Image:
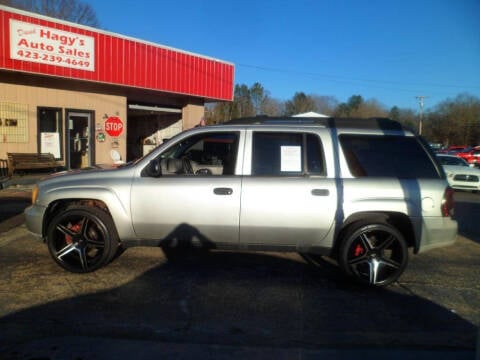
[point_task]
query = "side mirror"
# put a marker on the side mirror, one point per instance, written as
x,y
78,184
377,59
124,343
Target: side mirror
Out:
x,y
154,168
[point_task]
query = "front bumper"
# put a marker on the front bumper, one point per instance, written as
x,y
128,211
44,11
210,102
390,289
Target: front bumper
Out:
x,y
34,215
467,186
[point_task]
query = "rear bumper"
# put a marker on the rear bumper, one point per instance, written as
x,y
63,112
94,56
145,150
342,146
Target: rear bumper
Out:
x,y
437,232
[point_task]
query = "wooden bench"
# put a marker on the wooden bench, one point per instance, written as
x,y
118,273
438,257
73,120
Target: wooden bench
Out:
x,y
30,161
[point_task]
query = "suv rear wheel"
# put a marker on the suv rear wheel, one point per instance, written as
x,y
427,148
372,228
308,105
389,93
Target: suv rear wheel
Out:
x,y
376,254
82,239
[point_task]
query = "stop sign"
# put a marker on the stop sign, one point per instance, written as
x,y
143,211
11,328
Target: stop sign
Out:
x,y
113,126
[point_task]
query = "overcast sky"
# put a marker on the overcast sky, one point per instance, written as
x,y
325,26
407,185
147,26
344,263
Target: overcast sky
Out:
x,y
390,50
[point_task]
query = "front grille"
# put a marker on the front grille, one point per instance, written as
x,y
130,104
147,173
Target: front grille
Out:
x,y
469,178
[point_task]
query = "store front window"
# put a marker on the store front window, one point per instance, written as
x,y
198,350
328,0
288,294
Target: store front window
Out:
x,y
50,137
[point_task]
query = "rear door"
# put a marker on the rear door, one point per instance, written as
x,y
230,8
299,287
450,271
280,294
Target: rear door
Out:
x,y
287,197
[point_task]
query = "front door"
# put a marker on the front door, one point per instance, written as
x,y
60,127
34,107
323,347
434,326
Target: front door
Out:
x,y
79,150
197,195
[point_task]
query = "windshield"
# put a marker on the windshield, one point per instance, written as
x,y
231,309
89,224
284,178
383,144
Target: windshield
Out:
x,y
452,160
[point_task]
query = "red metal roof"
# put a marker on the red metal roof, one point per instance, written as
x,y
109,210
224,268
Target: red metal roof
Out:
x,y
37,44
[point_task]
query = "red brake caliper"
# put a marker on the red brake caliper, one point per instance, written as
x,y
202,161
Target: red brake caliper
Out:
x,y
359,250
75,228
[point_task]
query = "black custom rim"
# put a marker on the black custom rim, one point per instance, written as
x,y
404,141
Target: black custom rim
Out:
x,y
79,242
376,256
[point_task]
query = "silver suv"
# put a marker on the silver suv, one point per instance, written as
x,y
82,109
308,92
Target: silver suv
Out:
x,y
361,191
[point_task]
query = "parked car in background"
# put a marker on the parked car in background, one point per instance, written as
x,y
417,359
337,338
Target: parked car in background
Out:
x,y
437,147
460,174
471,155
453,149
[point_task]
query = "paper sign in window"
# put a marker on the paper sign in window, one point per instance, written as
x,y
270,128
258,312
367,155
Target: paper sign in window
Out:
x,y
50,143
291,158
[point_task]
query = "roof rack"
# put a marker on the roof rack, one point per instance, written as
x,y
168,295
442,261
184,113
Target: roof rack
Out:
x,y
331,122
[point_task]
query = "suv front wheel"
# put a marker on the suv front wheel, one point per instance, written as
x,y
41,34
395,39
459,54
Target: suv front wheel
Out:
x,y
376,253
82,239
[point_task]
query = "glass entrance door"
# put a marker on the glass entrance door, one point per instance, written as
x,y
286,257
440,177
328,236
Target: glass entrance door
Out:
x,y
79,139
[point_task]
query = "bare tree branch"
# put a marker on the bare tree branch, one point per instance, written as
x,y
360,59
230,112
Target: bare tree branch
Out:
x,y
76,11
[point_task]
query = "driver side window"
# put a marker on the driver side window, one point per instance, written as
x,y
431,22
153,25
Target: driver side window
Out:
x,y
211,153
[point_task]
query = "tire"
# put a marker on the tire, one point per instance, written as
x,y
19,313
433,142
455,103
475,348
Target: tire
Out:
x,y
82,239
374,254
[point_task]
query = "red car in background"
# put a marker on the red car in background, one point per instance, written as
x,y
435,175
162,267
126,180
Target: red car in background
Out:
x,y
471,155
453,149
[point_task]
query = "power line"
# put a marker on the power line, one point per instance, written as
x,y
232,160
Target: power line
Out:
x,y
345,79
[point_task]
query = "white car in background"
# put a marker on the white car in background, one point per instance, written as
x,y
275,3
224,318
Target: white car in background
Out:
x,y
460,174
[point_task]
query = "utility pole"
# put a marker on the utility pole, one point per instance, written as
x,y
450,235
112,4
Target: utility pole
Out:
x,y
420,102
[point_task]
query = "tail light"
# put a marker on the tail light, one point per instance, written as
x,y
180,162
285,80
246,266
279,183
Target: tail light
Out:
x,y
448,203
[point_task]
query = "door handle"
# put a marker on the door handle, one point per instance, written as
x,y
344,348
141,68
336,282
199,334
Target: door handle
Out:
x,y
320,192
223,191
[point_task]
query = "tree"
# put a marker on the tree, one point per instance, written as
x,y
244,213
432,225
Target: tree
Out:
x,y
300,103
247,101
408,118
455,121
242,102
356,106
342,110
218,112
370,108
257,97
354,102
273,107
325,104
347,109
394,113
76,11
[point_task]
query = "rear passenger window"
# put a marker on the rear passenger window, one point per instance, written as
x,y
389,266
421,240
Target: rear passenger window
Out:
x,y
400,157
287,154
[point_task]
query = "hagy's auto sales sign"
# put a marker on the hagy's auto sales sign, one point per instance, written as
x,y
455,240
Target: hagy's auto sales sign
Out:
x,y
45,45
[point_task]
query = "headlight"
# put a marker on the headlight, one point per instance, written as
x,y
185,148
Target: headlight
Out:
x,y
450,174
34,194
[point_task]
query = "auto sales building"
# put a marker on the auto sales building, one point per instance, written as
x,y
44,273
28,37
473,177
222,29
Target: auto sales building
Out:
x,y
93,97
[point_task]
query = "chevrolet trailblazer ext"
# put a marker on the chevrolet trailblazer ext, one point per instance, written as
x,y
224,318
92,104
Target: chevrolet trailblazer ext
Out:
x,y
361,191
